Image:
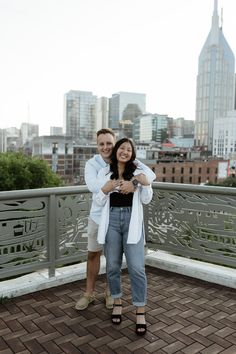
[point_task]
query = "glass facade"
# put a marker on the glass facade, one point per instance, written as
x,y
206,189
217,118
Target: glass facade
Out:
x,y
80,115
215,83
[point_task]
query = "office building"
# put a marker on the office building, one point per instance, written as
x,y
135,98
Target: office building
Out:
x,y
215,83
58,152
125,106
224,142
56,131
150,128
28,132
80,115
102,113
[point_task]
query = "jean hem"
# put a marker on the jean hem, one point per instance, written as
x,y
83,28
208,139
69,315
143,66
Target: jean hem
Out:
x,y
139,304
117,296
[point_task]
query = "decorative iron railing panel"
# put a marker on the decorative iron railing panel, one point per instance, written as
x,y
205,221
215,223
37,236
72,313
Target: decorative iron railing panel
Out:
x,y
72,220
42,228
193,222
47,228
23,231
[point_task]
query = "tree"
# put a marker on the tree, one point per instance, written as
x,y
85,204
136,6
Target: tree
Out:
x,y
229,182
18,171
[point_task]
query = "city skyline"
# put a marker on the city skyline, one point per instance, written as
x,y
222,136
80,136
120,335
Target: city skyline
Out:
x,y
152,47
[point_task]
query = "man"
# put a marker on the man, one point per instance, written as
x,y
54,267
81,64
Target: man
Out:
x,y
105,144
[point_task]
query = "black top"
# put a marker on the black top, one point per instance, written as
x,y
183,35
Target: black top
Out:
x,y
121,200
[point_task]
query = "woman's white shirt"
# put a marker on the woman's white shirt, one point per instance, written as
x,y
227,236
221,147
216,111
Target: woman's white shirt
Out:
x,y
142,195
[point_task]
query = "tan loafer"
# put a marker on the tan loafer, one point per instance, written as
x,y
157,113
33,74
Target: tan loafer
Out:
x,y
109,301
84,301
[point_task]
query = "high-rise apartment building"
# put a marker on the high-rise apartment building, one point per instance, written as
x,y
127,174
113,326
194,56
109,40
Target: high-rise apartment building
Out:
x,y
80,115
215,83
123,105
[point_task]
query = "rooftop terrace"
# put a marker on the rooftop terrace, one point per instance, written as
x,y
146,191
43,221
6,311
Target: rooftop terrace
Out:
x,y
184,316
42,232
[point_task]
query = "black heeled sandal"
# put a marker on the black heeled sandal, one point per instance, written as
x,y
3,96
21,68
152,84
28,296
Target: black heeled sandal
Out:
x,y
140,326
116,317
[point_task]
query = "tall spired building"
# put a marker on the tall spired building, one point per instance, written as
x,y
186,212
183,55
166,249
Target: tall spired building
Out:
x,y
215,83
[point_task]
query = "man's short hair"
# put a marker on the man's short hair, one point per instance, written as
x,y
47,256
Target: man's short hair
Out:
x,y
105,131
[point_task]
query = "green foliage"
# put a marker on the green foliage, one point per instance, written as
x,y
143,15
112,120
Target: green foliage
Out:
x,y
18,171
228,182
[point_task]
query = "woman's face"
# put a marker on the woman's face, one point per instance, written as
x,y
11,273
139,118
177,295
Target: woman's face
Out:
x,y
124,152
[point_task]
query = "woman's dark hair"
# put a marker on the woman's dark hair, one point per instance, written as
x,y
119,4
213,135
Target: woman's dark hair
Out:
x,y
130,166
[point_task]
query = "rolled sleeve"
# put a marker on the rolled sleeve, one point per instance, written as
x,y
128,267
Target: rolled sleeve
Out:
x,y
146,194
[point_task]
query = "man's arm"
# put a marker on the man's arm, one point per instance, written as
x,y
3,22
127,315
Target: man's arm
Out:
x,y
92,181
145,177
151,176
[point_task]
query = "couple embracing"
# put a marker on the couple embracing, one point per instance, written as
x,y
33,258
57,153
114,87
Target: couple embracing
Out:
x,y
120,185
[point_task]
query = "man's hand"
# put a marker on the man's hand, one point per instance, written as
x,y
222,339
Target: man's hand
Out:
x,y
142,179
110,186
126,187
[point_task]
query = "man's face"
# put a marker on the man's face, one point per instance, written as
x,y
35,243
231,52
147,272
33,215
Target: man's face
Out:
x,y
105,144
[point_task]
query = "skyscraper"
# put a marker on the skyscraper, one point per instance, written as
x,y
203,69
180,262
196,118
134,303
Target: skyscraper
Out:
x,y
215,83
80,115
122,102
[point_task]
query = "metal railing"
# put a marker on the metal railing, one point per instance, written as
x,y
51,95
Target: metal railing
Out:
x,y
46,228
193,221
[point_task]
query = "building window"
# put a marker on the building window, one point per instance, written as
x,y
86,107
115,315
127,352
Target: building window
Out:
x,y
182,170
163,179
190,170
164,170
182,179
199,170
190,179
173,179
208,170
173,170
199,179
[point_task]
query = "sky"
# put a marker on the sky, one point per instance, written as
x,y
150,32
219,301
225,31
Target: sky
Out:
x,y
49,47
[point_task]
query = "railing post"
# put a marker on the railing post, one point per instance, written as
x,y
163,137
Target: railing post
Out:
x,y
52,234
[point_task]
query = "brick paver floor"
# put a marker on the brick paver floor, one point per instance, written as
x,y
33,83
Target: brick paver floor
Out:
x,y
184,316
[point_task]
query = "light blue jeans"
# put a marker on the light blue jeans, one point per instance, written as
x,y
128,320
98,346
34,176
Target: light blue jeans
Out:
x,y
115,246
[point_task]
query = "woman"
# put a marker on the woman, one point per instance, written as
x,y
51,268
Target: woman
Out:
x,y
121,228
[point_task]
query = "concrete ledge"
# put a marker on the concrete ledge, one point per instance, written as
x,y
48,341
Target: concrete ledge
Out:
x,y
196,269
158,259
39,280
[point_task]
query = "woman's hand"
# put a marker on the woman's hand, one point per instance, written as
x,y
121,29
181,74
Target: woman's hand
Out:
x,y
126,187
110,186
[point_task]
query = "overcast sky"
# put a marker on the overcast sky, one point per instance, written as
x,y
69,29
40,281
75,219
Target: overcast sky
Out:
x,y
48,47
